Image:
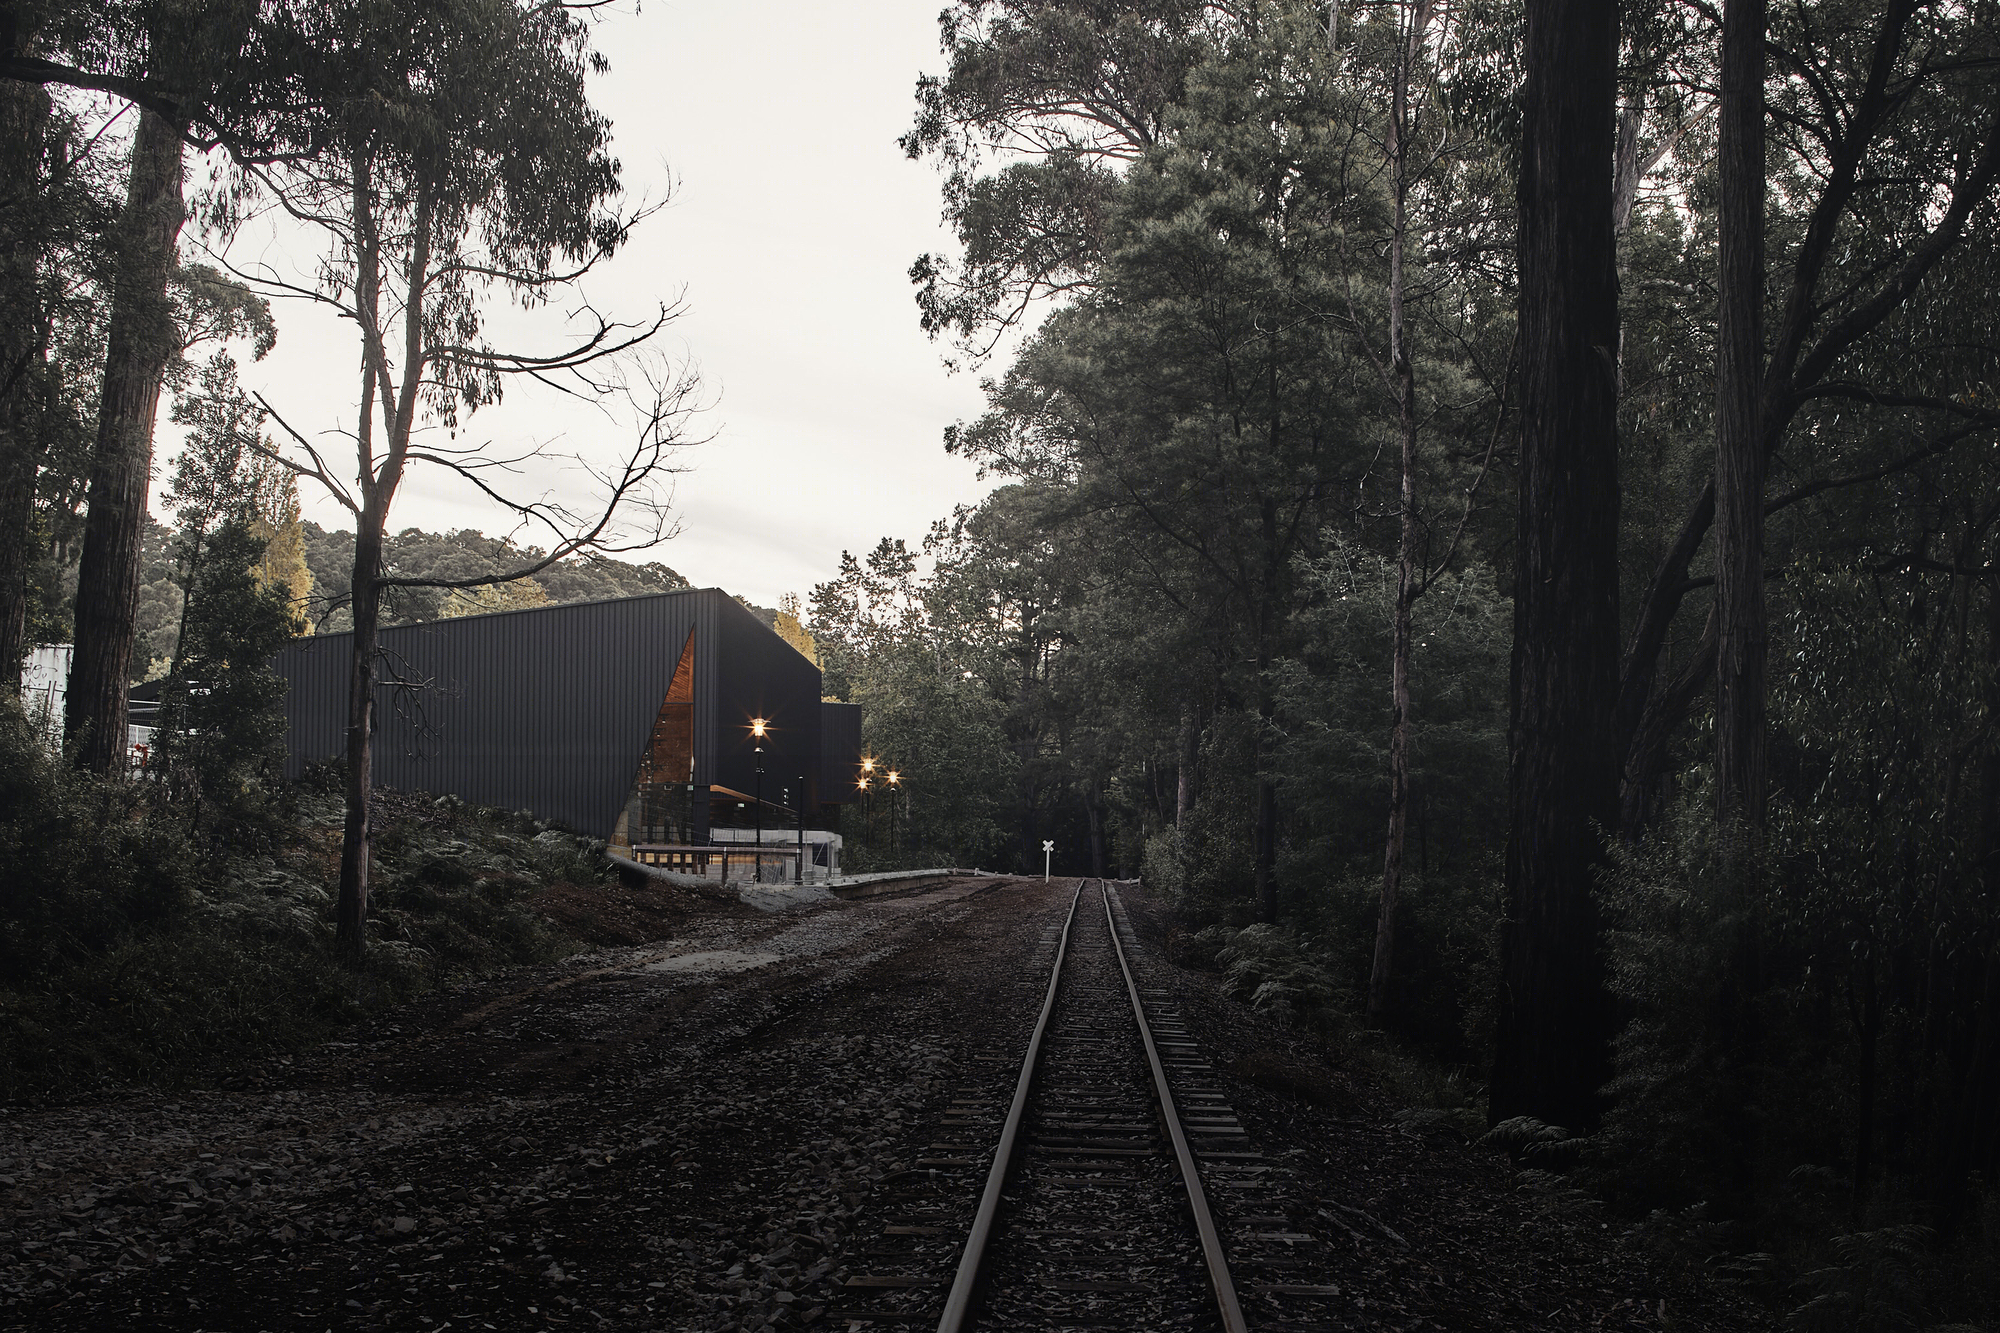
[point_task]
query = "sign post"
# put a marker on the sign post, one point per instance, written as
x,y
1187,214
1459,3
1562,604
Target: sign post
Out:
x,y
1047,847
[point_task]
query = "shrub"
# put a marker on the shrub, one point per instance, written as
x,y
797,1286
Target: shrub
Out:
x,y
133,951
82,863
1275,972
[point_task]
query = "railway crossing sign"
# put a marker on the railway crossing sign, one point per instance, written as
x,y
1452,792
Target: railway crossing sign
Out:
x,y
1047,847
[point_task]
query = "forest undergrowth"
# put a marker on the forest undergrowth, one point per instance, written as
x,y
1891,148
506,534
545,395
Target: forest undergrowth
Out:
x,y
1800,1242
142,946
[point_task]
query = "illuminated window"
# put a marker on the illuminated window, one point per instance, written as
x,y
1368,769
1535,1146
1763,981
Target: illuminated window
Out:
x,y
660,809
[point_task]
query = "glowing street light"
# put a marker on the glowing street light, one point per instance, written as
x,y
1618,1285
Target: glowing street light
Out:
x,y
892,779
757,725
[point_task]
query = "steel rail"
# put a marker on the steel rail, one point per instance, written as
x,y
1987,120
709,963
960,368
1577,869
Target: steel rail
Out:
x,y
1219,1280
958,1305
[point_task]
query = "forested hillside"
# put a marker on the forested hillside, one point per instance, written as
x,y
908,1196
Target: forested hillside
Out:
x,y
413,553
1302,465
329,556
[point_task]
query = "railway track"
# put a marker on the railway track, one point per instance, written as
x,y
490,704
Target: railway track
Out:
x,y
1105,1184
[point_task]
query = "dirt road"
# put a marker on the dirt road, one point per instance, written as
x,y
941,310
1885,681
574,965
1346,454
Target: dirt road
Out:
x,y
696,1132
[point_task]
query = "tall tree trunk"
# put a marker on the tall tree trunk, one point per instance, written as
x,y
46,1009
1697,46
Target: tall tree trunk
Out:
x,y
1739,578
351,907
1646,746
135,359
1095,815
379,481
1968,1153
1399,772
364,588
1186,754
1625,171
1031,810
24,118
1739,444
1263,874
1868,1030
1555,1018
1404,382
1974,1151
1626,168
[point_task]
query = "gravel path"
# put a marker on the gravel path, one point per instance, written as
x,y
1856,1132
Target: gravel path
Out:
x,y
705,1133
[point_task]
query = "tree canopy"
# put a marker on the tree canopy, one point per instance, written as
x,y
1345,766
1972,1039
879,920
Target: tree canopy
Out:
x,y
1291,349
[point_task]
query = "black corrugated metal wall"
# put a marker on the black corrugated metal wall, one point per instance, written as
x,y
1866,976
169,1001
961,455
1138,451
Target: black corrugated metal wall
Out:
x,y
781,687
548,709
839,750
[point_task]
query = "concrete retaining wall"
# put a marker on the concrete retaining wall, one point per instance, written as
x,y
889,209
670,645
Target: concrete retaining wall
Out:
x,y
850,887
895,881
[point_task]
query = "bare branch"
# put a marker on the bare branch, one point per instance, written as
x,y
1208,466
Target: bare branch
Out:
x,y
1984,416
318,471
669,403
1939,446
598,346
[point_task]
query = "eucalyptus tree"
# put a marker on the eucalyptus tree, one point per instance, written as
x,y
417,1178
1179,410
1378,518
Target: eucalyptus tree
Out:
x,y
1205,392
1878,145
56,210
1011,590
467,159
1881,141
224,75
920,653
24,123
1042,108
1555,1025
135,363
1406,61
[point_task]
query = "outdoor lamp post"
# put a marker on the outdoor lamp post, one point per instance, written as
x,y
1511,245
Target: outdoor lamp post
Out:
x,y
757,732
867,801
893,779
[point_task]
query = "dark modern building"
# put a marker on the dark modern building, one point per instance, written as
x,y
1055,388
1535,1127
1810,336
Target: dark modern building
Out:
x,y
629,720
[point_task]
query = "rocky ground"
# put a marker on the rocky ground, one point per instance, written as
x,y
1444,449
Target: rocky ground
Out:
x,y
695,1125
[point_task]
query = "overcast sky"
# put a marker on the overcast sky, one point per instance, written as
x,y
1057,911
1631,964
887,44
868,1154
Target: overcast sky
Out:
x,y
791,220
